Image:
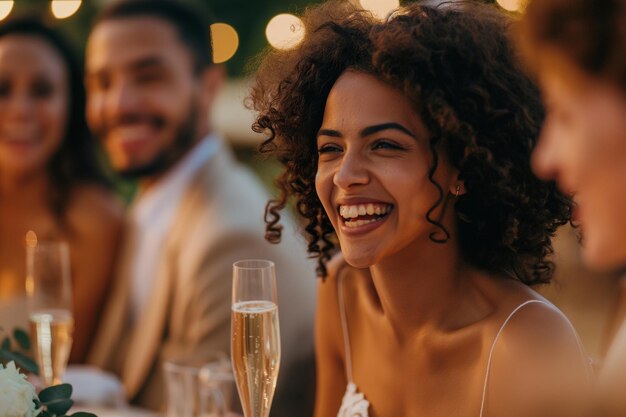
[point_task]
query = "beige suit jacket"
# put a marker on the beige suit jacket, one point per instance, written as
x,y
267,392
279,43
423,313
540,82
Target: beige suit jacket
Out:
x,y
219,221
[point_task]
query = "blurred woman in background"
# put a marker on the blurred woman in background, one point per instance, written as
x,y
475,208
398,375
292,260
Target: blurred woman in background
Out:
x,y
50,178
577,50
408,142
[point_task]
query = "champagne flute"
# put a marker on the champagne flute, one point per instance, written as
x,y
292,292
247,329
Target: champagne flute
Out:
x,y
49,291
255,342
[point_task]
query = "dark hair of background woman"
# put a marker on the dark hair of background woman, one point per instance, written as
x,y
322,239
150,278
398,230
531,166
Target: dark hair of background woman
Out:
x,y
591,34
76,161
456,65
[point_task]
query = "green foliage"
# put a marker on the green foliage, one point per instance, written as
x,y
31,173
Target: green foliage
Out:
x,y
18,351
55,393
56,402
22,339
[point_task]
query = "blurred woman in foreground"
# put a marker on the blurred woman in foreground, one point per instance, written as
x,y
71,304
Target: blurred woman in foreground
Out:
x,y
577,50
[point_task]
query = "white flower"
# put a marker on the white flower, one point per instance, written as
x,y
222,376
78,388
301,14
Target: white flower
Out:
x,y
354,403
16,393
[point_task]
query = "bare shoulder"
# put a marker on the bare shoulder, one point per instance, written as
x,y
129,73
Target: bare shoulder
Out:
x,y
329,347
539,365
533,320
93,207
327,288
328,312
530,329
344,285
522,313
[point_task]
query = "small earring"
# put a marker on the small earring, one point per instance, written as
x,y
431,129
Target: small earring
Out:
x,y
458,190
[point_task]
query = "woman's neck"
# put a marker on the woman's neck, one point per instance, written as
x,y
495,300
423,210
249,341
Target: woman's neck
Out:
x,y
427,285
24,189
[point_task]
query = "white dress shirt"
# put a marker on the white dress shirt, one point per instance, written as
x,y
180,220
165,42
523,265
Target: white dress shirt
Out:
x,y
151,216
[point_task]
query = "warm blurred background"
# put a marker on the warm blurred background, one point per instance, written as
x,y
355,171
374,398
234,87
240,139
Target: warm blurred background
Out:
x,y
594,303
244,29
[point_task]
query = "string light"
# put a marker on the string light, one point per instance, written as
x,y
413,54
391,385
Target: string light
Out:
x,y
511,5
285,31
5,8
380,8
225,42
62,9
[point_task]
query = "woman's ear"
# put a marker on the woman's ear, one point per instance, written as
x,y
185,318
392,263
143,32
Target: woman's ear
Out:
x,y
458,189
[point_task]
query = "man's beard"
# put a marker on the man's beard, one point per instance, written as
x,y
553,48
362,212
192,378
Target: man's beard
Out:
x,y
185,137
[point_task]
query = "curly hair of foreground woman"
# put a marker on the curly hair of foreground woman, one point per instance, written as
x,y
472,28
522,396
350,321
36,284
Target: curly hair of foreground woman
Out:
x,y
483,115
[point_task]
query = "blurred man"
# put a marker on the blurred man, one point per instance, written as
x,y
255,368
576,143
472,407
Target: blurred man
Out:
x,y
151,86
577,48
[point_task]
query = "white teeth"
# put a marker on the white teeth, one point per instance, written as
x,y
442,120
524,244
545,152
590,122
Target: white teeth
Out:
x,y
353,211
359,223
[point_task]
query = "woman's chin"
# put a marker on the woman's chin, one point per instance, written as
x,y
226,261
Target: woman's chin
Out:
x,y
358,261
605,257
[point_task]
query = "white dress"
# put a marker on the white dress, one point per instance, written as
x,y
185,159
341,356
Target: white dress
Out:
x,y
354,403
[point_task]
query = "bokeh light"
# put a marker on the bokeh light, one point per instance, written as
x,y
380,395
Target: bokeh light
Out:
x,y
511,5
62,9
380,8
285,31
225,42
5,8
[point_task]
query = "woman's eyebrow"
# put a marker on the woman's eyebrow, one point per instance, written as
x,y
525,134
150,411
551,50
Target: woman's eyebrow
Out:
x,y
370,130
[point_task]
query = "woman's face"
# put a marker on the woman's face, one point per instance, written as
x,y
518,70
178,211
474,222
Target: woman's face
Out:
x,y
583,147
372,175
33,104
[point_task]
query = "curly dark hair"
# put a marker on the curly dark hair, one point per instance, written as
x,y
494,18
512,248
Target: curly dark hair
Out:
x,y
77,160
455,63
589,33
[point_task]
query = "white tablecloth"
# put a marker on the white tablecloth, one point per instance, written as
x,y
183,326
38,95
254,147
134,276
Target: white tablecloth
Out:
x,y
110,412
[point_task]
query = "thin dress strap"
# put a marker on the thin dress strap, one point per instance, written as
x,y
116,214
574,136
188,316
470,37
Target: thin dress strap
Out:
x,y
495,341
344,327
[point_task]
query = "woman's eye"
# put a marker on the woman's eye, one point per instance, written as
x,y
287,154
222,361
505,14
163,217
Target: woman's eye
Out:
x,y
42,89
328,149
386,144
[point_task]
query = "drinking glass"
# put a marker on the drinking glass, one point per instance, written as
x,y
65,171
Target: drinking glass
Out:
x,y
199,387
49,292
255,336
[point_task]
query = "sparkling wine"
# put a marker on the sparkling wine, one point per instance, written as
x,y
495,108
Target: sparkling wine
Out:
x,y
51,331
255,351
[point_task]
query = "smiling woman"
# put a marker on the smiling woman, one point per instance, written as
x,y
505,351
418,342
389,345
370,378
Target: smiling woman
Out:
x,y
408,142
50,180
373,151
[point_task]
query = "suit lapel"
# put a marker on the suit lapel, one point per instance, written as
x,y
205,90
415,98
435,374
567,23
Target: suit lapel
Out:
x,y
114,323
147,334
146,339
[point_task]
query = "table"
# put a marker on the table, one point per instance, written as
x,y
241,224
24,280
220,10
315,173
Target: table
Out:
x,y
115,412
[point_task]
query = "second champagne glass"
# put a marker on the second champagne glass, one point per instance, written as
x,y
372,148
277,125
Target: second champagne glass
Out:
x,y
49,291
255,343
